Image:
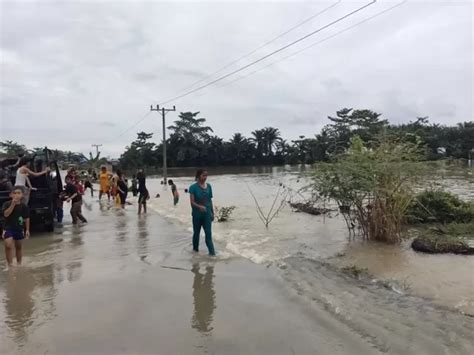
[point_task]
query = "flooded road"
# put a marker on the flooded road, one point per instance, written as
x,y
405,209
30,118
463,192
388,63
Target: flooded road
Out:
x,y
124,284
445,279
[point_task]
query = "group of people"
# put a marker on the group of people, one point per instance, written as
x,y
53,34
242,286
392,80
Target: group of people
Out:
x,y
116,186
16,226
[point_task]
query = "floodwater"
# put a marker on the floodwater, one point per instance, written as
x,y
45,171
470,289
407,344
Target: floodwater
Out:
x,y
445,279
124,284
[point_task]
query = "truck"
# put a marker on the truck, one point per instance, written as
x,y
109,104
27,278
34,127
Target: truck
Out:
x,y
44,198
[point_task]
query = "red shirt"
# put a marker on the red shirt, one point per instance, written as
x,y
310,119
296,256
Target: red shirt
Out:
x,y
80,188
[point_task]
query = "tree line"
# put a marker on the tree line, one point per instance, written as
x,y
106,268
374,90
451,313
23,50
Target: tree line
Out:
x,y
193,143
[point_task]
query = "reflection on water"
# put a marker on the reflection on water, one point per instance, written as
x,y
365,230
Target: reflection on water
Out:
x,y
317,237
29,295
204,299
142,239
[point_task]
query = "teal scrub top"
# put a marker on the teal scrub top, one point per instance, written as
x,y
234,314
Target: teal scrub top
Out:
x,y
201,197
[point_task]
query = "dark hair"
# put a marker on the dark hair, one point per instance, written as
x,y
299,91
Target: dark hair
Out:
x,y
199,172
23,161
170,182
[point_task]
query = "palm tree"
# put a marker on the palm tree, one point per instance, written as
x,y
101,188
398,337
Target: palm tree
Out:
x,y
259,140
271,137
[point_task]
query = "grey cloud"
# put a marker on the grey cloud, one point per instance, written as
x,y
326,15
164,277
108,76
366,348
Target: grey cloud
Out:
x,y
105,62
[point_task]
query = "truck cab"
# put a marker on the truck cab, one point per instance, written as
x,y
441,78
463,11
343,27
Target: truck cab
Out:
x,y
43,200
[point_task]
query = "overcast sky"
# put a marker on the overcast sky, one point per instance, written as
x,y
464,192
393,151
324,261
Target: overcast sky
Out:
x,y
77,73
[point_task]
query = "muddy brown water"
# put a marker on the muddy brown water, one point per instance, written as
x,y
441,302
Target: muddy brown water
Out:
x,y
445,279
125,284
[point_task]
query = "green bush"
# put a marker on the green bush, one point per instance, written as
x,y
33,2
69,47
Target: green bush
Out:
x,y
440,206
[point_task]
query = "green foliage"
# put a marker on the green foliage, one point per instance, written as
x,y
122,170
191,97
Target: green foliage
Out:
x,y
461,230
223,213
191,142
140,153
457,140
373,185
440,206
11,149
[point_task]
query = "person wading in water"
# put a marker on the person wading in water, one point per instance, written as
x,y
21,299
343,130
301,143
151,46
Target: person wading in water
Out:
x,y
144,194
174,192
104,183
203,210
122,188
16,225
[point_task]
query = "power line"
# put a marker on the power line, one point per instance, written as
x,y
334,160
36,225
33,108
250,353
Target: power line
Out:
x,y
270,54
316,43
256,61
237,60
260,47
129,128
164,111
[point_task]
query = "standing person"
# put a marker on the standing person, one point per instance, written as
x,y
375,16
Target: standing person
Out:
x,y
203,210
71,172
113,185
75,198
22,179
16,226
88,185
79,186
134,185
144,195
174,192
122,188
104,183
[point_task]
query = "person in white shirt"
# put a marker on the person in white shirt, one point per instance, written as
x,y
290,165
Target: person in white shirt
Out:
x,y
22,174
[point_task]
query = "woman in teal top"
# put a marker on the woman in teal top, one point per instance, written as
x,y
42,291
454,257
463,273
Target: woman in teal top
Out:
x,y
203,210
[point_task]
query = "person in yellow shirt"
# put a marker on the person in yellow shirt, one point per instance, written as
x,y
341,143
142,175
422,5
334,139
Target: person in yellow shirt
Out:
x,y
104,183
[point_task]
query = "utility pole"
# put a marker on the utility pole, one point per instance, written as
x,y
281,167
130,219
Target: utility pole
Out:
x,y
96,148
163,114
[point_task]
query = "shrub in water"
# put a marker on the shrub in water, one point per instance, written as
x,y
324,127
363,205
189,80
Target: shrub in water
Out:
x,y
440,206
223,213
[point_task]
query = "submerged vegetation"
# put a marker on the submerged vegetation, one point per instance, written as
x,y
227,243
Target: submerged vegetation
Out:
x,y
223,213
373,187
438,206
451,222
